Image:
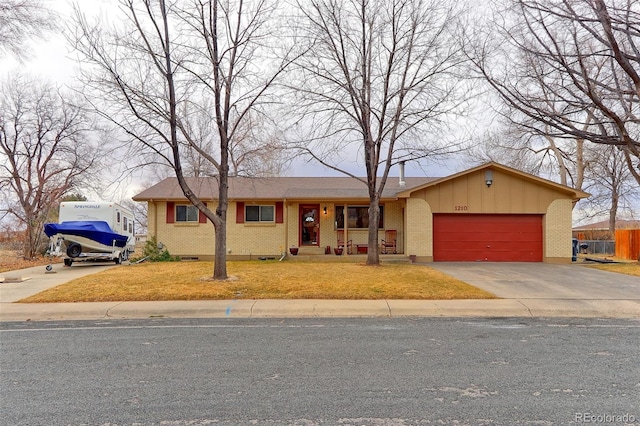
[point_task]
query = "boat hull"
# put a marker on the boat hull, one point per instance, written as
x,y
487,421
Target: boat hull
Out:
x,y
90,236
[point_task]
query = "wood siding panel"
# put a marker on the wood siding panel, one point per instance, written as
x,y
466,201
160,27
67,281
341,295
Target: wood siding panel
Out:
x,y
475,196
461,192
445,192
507,194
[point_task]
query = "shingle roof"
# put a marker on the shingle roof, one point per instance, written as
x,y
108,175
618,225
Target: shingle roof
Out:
x,y
276,188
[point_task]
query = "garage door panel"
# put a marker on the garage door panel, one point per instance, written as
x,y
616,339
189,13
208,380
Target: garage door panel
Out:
x,y
494,238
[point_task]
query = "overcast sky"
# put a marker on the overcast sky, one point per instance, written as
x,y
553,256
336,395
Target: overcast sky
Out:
x,y
53,60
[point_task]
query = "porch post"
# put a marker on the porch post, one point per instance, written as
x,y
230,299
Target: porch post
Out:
x,y
345,212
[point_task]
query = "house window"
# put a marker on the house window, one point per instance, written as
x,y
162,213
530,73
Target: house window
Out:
x,y
259,213
186,213
357,217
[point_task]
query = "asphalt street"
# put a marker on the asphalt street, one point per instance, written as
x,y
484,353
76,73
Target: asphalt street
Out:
x,y
375,371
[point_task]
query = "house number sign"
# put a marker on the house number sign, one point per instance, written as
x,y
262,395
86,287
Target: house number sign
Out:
x,y
460,208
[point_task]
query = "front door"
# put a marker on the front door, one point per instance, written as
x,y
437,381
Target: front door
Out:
x,y
310,225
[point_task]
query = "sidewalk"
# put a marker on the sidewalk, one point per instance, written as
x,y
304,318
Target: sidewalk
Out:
x,y
39,280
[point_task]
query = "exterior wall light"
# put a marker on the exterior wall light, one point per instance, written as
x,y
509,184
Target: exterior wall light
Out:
x,y
488,177
325,209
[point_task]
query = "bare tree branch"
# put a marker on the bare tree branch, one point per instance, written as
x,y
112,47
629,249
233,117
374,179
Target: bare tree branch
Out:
x,y
379,75
46,150
21,20
569,68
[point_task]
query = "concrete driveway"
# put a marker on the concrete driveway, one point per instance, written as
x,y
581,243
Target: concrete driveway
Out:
x,y
544,281
27,282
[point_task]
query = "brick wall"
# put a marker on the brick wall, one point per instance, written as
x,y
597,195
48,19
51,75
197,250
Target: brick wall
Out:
x,y
557,231
419,238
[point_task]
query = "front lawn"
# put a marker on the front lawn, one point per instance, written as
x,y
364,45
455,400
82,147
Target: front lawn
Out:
x,y
622,268
262,280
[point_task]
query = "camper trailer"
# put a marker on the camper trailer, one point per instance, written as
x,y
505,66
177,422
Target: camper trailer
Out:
x,y
89,231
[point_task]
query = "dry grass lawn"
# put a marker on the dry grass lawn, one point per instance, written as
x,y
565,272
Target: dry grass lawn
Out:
x,y
628,267
262,280
622,268
11,260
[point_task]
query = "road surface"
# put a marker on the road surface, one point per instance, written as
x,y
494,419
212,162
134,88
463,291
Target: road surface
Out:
x,y
320,372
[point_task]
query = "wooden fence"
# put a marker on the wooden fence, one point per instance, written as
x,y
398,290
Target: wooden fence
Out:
x,y
628,244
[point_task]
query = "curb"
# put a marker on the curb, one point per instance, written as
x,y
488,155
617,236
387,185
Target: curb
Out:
x,y
321,309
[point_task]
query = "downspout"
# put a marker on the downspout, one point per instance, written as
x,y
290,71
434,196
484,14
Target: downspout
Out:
x,y
155,222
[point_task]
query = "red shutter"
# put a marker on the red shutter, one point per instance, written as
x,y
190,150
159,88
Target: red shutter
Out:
x,y
201,217
239,212
279,212
171,212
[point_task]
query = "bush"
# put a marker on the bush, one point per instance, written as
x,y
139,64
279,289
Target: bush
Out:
x,y
154,253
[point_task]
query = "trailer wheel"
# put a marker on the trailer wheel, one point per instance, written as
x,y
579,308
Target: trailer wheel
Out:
x,y
68,262
118,260
74,250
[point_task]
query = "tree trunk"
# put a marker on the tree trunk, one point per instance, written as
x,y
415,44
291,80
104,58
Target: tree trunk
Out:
x,y
612,213
373,256
220,262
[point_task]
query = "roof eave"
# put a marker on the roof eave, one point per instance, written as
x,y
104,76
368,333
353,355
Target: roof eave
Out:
x,y
575,194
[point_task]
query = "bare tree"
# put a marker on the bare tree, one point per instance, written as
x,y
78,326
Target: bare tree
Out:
x,y
532,149
570,69
172,61
256,150
381,76
21,20
611,184
46,153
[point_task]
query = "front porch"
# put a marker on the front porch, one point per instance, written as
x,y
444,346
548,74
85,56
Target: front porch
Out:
x,y
305,256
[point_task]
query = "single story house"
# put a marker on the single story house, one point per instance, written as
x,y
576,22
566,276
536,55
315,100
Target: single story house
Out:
x,y
488,213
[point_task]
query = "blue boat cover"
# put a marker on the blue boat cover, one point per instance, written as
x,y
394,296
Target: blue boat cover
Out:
x,y
99,231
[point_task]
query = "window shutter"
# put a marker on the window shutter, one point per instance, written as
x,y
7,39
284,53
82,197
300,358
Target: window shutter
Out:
x,y
239,212
171,212
201,217
279,212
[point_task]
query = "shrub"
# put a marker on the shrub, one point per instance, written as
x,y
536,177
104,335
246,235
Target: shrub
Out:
x,y
155,253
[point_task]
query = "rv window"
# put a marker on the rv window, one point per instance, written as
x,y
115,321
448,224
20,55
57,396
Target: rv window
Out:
x,y
131,227
124,222
186,213
118,217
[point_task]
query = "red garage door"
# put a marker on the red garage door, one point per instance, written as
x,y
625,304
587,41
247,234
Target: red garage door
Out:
x,y
484,237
